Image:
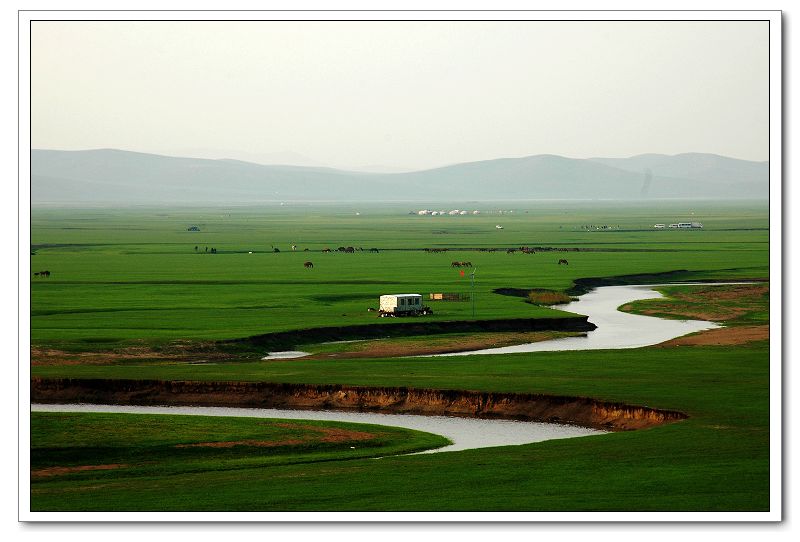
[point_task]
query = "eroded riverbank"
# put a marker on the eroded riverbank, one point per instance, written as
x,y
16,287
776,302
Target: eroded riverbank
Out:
x,y
580,411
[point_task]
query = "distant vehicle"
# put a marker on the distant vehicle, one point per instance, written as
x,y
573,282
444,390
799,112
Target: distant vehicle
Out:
x,y
659,226
686,225
393,305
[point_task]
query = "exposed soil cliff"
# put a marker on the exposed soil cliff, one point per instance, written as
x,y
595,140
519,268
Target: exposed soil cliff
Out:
x,y
533,407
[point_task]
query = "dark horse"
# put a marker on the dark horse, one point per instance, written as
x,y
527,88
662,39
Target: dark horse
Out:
x,y
562,260
308,265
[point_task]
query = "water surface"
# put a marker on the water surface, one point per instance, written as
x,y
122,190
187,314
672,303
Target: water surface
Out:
x,y
465,433
615,329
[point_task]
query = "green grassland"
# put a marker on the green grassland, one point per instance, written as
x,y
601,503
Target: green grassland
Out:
x,y
127,276
70,447
683,301
715,460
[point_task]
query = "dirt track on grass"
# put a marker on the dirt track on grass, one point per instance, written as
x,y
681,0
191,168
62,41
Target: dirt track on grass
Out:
x,y
59,471
726,336
389,348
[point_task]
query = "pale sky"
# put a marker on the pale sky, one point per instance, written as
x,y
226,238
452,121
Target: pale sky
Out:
x,y
408,95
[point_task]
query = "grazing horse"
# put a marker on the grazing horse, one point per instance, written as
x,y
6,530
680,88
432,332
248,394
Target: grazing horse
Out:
x,y
326,250
374,250
308,265
562,260
455,264
349,250
294,247
466,264
43,273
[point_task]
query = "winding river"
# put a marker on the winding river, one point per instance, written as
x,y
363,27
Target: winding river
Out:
x,y
615,329
465,433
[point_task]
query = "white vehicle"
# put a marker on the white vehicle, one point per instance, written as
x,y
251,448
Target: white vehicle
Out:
x,y
659,226
402,305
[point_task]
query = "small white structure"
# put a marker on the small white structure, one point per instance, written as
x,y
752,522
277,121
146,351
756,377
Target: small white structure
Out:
x,y
462,213
499,227
697,224
673,225
684,224
476,212
659,226
400,303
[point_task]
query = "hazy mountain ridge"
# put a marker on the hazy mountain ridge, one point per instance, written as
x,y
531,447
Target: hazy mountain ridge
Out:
x,y
706,167
120,177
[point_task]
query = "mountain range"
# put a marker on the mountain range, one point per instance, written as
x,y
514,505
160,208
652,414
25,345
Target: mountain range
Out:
x,y
118,177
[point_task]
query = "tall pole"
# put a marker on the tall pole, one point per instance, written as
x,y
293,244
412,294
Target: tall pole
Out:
x,y
472,280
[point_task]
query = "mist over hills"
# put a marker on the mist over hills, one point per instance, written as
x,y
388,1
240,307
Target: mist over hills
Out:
x,y
110,176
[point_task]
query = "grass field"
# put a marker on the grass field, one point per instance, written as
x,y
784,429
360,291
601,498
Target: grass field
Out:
x,y
715,460
70,448
123,279
127,275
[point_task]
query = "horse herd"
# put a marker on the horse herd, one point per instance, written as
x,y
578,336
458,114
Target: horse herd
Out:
x,y
349,250
310,265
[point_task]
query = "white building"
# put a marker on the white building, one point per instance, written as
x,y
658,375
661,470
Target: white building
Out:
x,y
397,303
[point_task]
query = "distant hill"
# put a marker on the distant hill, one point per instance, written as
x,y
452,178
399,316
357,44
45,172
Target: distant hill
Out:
x,y
123,177
711,168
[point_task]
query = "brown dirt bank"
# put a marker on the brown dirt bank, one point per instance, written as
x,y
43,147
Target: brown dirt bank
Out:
x,y
176,351
726,336
533,407
390,348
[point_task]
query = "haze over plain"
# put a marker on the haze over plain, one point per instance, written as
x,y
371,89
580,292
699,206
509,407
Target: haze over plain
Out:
x,y
401,96
120,177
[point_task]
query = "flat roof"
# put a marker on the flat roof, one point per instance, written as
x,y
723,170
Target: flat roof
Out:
x,y
402,295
